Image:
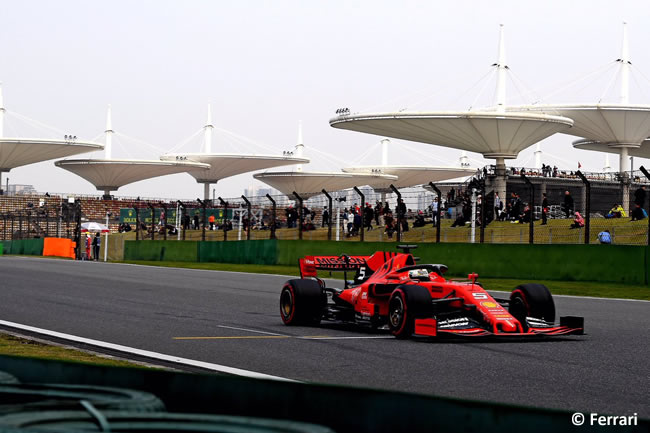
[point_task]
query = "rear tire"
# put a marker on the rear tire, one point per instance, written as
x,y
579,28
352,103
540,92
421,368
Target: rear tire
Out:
x,y
302,302
531,300
407,303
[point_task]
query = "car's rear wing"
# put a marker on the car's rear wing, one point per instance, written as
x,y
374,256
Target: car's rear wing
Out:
x,y
310,265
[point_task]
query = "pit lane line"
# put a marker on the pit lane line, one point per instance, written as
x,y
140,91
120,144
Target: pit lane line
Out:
x,y
145,353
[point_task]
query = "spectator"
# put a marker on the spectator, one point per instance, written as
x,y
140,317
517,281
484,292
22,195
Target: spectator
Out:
x,y
419,220
605,237
498,206
578,221
544,209
390,224
616,212
568,203
525,215
196,220
639,196
211,221
88,244
379,212
638,213
368,215
357,222
96,243
326,217
435,211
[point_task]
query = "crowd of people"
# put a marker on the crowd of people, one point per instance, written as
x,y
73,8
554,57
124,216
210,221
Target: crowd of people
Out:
x,y
355,217
456,205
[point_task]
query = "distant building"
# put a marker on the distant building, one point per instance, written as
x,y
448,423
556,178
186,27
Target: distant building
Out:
x,y
21,189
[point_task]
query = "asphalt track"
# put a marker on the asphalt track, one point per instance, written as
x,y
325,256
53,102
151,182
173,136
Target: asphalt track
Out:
x,y
233,319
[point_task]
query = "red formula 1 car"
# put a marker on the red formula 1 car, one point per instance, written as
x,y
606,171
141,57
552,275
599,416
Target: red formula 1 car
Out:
x,y
415,299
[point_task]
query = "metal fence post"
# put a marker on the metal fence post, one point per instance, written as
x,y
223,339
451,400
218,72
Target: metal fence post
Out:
x,y
137,223
531,206
153,221
435,188
647,175
77,230
163,220
587,204
248,226
225,217
299,215
272,216
362,211
183,210
203,206
397,213
329,219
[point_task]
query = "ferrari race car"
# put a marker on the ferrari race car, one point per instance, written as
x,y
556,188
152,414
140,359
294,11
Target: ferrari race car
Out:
x,y
390,289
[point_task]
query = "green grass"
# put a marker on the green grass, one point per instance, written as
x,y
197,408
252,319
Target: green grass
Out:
x,y
15,346
576,288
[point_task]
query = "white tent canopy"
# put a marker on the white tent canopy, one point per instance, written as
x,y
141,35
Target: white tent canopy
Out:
x,y
493,134
111,174
309,184
16,152
643,151
607,123
226,165
408,176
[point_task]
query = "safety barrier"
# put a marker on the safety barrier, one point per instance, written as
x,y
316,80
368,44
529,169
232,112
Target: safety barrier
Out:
x,y
261,252
374,410
625,264
173,251
30,247
1,248
59,247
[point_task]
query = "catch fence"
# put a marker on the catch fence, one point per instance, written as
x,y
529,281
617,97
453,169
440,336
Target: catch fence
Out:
x,y
446,212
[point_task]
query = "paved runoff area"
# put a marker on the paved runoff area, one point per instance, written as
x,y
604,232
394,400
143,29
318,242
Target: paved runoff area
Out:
x,y
230,322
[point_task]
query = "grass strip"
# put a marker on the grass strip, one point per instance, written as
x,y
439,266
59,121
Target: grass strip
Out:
x,y
17,346
574,288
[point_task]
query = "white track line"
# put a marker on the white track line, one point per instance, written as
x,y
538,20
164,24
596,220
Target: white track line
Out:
x,y
250,330
146,353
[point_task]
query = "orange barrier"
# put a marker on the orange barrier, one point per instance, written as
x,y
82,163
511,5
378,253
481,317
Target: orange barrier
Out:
x,y
58,247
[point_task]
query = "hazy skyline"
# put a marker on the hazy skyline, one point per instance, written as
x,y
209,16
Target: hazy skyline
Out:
x,y
266,65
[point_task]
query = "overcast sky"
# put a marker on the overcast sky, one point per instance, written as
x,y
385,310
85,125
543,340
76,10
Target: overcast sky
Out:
x,y
265,65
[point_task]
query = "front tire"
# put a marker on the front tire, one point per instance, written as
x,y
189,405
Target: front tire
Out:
x,y
407,303
302,302
531,300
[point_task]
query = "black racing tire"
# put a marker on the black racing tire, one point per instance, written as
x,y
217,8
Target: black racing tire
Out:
x,y
531,300
407,303
302,302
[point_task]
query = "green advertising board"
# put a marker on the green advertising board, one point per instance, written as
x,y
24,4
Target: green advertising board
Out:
x,y
127,215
